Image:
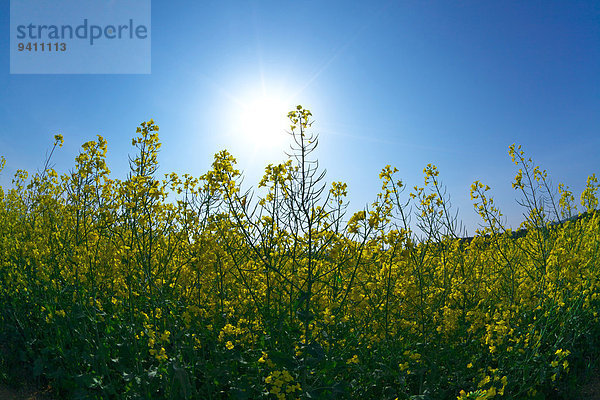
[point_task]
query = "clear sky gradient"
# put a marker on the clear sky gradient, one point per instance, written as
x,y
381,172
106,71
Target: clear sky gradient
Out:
x,y
404,83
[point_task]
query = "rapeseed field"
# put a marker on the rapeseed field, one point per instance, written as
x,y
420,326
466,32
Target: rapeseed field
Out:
x,y
182,287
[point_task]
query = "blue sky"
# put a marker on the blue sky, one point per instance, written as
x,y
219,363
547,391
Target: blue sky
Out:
x,y
404,83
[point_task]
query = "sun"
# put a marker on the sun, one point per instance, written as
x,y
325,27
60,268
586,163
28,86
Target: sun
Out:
x,y
263,122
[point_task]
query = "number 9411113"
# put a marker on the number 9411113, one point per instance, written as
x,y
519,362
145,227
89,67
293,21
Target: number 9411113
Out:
x,y
42,46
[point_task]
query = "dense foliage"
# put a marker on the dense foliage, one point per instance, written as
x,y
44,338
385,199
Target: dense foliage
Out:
x,y
188,287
